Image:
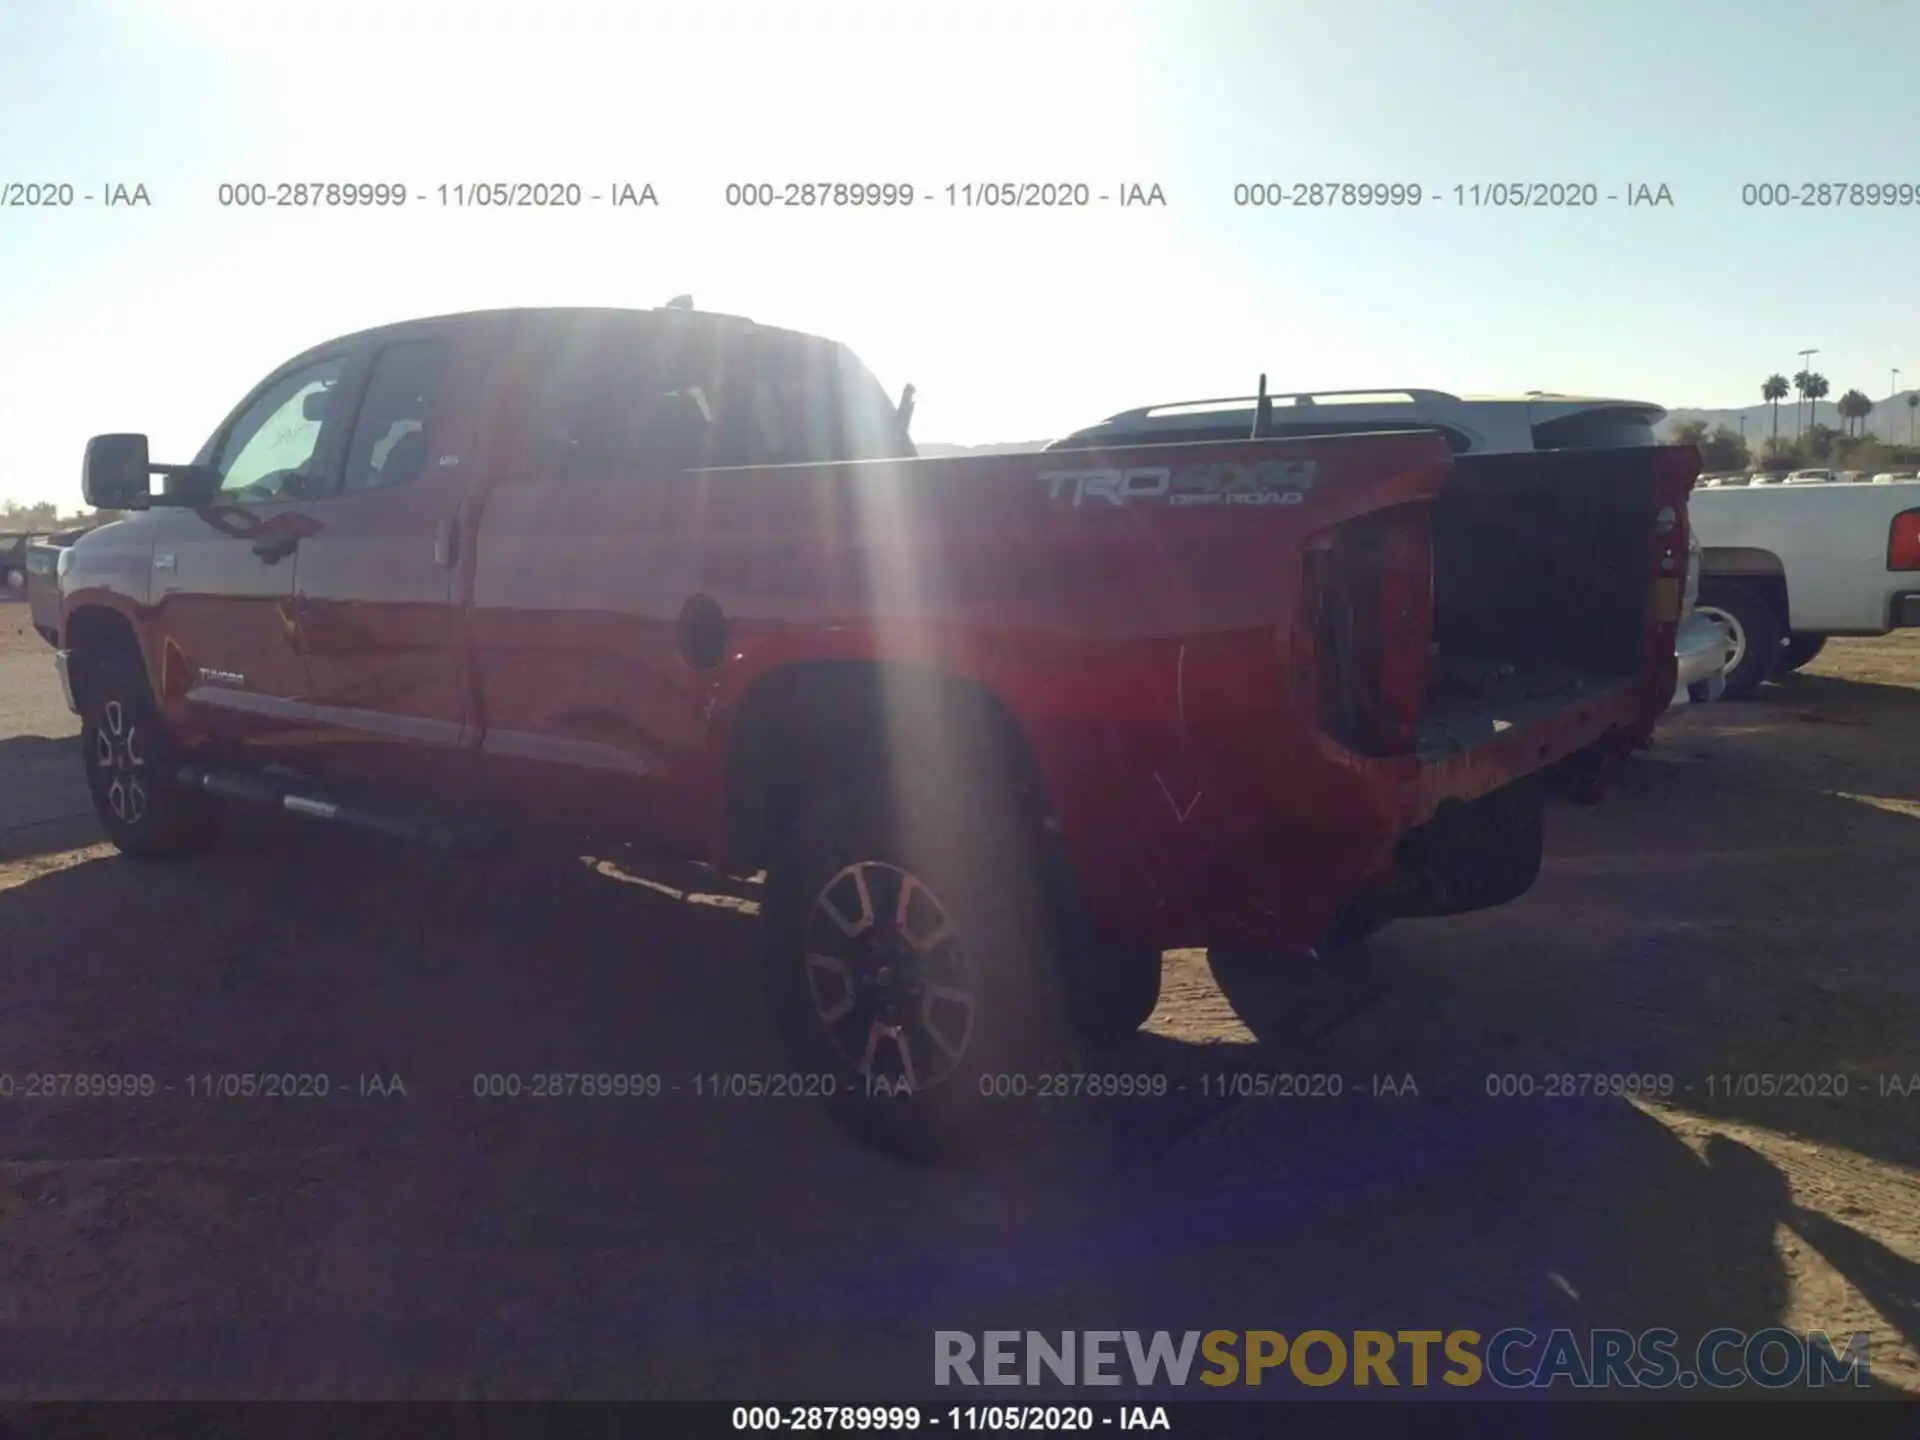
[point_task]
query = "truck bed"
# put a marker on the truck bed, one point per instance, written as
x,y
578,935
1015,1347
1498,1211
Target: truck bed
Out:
x,y
1537,600
1473,704
1542,573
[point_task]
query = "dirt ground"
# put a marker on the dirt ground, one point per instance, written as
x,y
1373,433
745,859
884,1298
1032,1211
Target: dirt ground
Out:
x,y
1744,904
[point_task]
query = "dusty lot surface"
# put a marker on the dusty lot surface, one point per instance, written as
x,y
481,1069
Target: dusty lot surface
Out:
x,y
1744,905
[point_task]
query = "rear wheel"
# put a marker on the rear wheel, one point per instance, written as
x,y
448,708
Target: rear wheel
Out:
x,y
131,764
911,943
1753,631
1800,650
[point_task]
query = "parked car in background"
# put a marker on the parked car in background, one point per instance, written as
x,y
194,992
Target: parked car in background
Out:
x,y
1809,477
1472,424
1894,477
43,579
1702,645
13,560
1768,477
1784,568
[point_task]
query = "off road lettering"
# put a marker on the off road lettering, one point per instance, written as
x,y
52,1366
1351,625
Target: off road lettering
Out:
x,y
1240,482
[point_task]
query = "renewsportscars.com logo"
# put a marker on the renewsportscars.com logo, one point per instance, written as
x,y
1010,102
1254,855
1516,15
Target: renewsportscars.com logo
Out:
x,y
1513,1359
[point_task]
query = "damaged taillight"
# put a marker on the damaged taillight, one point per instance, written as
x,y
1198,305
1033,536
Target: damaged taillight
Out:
x,y
1405,628
1676,468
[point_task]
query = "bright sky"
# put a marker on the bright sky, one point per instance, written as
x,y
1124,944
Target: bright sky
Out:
x,y
1013,324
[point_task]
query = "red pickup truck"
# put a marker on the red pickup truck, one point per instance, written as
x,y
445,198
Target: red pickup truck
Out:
x,y
998,729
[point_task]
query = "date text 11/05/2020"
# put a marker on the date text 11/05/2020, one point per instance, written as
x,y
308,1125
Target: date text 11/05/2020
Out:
x,y
1474,195
1826,1087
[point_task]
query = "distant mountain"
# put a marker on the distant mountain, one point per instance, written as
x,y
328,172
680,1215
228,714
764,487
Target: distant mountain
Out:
x,y
934,450
1889,419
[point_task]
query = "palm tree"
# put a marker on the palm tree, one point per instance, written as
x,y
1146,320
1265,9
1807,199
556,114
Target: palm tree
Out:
x,y
1800,381
1854,409
1773,390
1817,388
1913,404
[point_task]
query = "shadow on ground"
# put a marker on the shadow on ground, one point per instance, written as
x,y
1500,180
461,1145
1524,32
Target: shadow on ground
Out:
x,y
422,1240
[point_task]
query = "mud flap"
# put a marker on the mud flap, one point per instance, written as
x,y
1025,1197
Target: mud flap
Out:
x,y
1476,854
1585,776
1298,998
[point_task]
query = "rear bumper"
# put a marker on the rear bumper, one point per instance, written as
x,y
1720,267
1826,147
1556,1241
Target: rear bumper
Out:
x,y
1179,854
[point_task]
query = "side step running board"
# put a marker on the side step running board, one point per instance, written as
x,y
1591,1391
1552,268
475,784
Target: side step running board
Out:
x,y
246,787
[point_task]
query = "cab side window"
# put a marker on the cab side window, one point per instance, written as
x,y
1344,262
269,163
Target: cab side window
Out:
x,y
667,397
391,436
270,451
622,400
784,402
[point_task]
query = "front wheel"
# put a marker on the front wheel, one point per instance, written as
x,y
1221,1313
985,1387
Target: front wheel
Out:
x,y
131,765
1753,632
911,948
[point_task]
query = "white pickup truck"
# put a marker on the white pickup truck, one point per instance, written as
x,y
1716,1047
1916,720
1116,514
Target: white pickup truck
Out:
x,y
1785,566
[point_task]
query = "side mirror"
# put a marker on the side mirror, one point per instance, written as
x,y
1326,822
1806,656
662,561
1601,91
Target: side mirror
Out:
x,y
316,404
113,476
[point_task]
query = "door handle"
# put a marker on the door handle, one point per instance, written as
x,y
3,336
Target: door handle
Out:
x,y
446,543
275,548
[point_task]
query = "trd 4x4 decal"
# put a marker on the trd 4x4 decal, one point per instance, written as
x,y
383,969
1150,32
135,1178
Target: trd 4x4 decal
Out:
x,y
1220,482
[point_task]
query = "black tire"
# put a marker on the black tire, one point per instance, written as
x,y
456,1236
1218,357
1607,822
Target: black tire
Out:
x,y
1350,930
1799,650
967,874
1110,990
1754,628
131,763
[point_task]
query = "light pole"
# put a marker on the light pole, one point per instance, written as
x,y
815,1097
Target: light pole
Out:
x,y
1805,355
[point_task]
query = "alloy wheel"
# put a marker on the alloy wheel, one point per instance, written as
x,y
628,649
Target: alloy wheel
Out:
x,y
118,750
892,984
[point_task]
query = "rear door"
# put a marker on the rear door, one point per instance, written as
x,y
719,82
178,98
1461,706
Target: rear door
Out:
x,y
375,578
231,667
590,707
